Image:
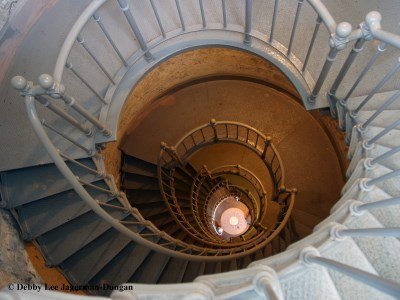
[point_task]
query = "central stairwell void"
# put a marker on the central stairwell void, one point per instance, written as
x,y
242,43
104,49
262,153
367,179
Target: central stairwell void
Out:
x,y
182,148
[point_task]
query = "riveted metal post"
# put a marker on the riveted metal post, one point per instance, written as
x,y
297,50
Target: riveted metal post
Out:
x,y
248,20
337,43
135,28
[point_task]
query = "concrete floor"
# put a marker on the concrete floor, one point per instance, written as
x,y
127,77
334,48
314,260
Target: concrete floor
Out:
x,y
310,161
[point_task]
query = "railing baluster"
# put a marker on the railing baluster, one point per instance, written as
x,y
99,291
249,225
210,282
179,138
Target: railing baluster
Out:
x,y
384,285
224,19
82,111
366,232
57,90
385,155
89,151
193,140
382,133
312,42
380,110
382,178
338,42
203,16
178,7
381,48
377,88
81,165
248,20
70,67
96,17
81,41
294,27
97,187
54,108
377,204
202,134
358,46
135,28
154,7
271,35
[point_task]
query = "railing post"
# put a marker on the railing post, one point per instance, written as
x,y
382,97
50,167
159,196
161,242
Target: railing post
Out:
x,y
294,27
172,153
213,124
248,20
337,42
56,90
135,28
267,142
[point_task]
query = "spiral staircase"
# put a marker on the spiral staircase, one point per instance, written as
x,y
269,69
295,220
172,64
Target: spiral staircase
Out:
x,y
164,222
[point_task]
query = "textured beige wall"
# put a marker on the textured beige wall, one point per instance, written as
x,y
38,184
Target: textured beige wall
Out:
x,y
183,69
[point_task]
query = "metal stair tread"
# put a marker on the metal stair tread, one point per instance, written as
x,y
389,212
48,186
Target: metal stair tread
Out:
x,y
122,266
26,185
151,268
60,243
41,216
135,181
87,262
138,166
173,271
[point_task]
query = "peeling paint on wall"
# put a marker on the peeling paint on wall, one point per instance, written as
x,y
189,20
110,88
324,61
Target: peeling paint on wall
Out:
x,y
15,267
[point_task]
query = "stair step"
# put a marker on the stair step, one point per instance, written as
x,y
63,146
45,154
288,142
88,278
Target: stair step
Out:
x,y
305,218
193,270
138,166
378,249
151,268
26,185
122,266
143,196
139,182
60,243
174,271
313,283
86,263
41,216
347,252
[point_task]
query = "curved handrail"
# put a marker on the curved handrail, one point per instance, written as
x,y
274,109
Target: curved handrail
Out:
x,y
215,255
95,5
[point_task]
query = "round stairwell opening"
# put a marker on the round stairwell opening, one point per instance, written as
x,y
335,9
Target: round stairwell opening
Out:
x,y
204,173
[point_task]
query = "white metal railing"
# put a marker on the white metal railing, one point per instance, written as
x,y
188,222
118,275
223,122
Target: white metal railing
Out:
x,y
339,36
